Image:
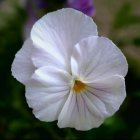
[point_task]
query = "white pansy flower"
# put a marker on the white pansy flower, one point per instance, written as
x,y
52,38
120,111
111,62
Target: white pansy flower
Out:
x,y
70,73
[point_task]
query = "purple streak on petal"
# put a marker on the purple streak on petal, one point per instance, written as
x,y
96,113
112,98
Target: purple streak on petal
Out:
x,y
86,6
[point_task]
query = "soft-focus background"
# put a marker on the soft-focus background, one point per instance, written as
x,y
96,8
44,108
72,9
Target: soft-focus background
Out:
x,y
118,20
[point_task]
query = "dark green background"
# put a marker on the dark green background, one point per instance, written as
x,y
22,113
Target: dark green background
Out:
x,y
117,20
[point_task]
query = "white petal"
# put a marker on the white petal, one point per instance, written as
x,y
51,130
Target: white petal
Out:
x,y
59,31
47,92
95,57
69,116
111,91
82,111
83,56
96,104
95,111
46,102
22,67
41,57
52,76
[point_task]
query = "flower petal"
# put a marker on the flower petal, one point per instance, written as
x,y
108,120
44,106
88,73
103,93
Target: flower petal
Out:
x,y
41,57
95,57
95,111
22,67
59,31
69,114
83,56
46,102
52,76
82,111
111,91
47,91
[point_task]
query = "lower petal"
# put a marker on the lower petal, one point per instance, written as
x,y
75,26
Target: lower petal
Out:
x,y
80,112
68,117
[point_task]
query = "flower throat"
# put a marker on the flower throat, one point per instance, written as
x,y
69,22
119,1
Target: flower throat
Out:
x,y
78,86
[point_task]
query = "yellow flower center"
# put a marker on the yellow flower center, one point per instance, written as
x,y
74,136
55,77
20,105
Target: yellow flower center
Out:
x,y
78,86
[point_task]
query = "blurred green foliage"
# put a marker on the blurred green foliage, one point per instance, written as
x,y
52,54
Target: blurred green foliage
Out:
x,y
124,17
17,120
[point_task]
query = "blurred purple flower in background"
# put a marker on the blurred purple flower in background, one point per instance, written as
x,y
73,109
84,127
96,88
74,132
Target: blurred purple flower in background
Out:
x,y
41,4
85,6
34,8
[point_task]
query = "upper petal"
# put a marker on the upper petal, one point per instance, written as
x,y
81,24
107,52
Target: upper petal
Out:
x,y
84,55
59,31
22,67
95,57
41,57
